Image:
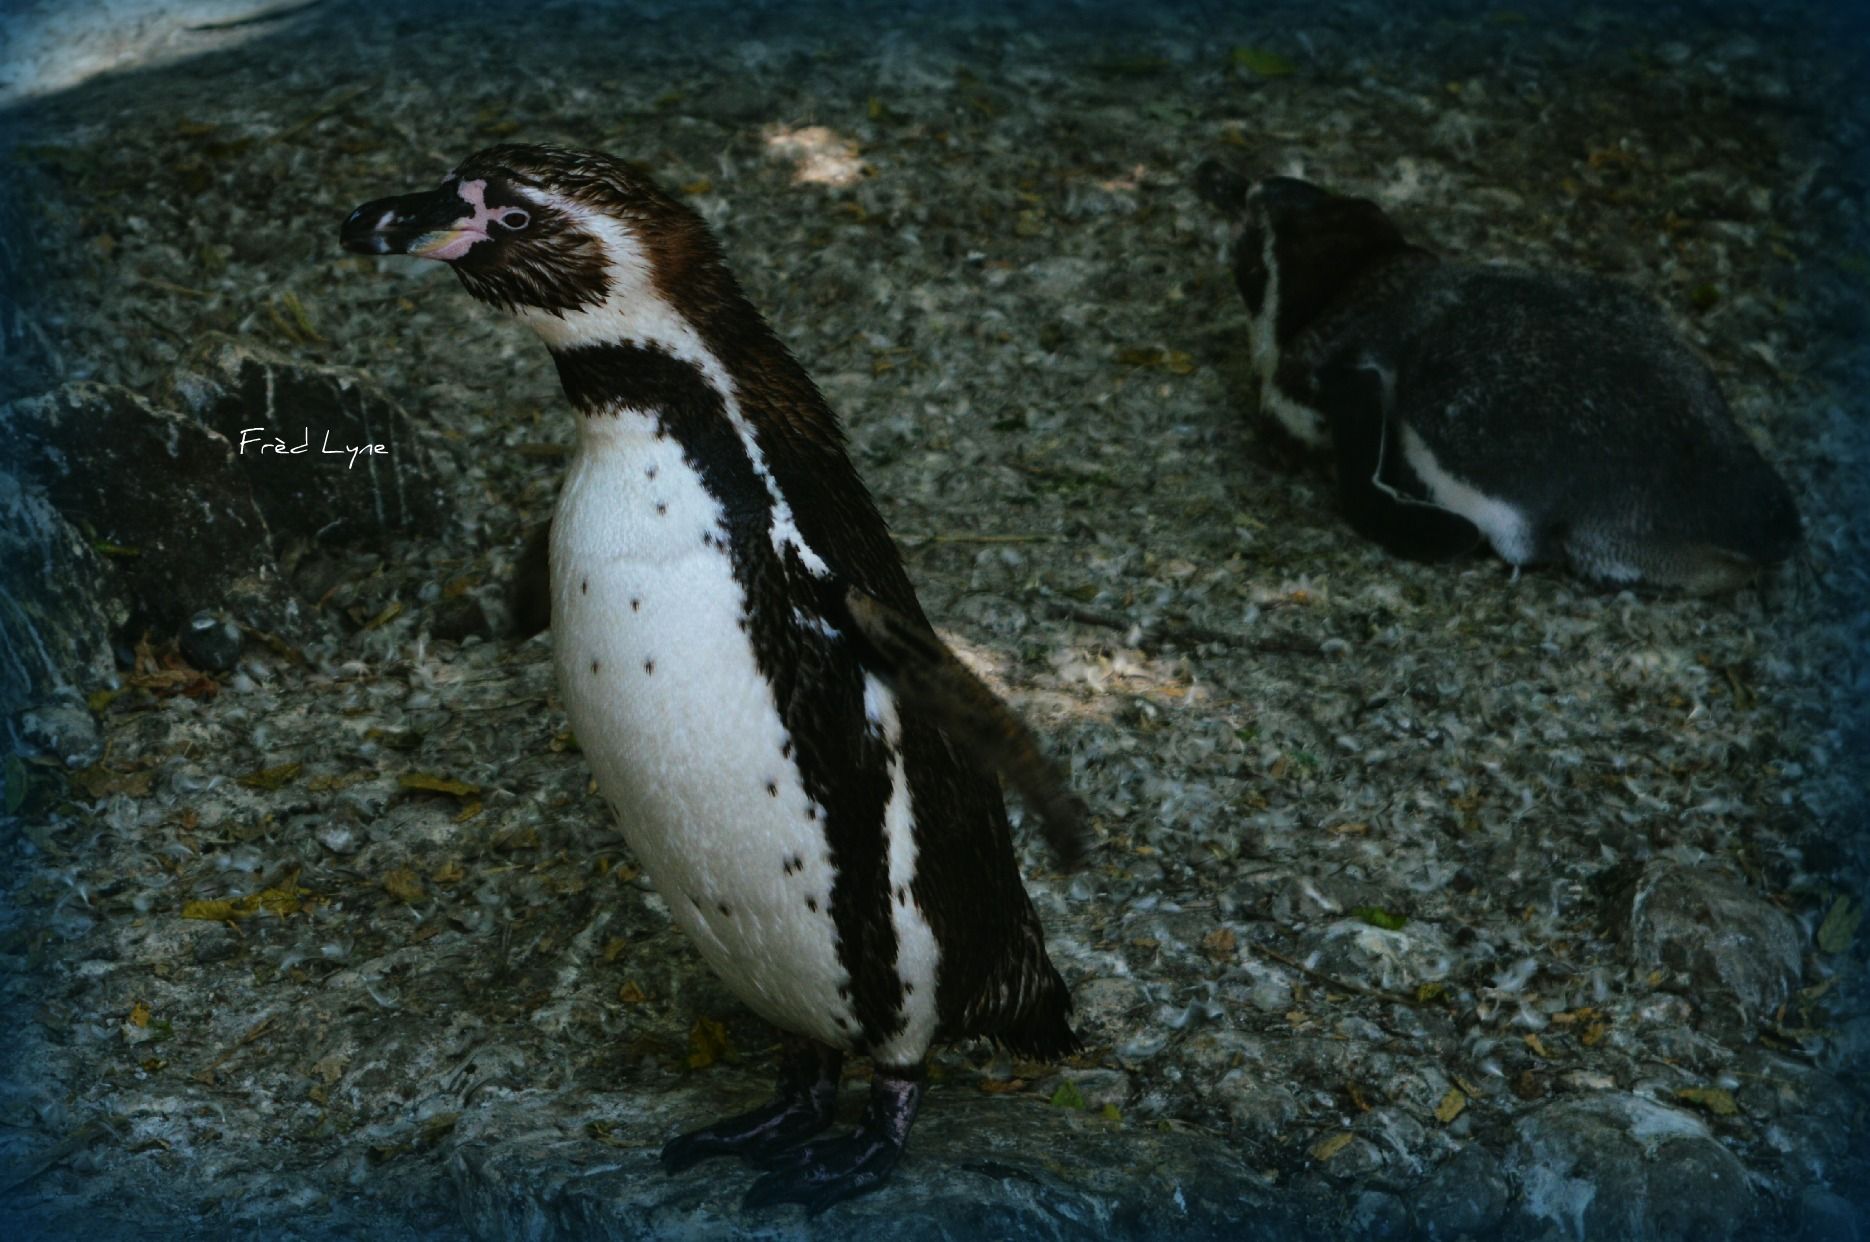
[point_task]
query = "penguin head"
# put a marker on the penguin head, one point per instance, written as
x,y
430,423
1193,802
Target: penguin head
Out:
x,y
1300,248
551,235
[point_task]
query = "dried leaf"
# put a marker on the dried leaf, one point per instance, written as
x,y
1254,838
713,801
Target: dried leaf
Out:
x,y
1377,916
1451,1106
1537,1045
437,784
272,778
1219,943
1713,1099
404,885
614,947
449,872
601,1132
98,781
1841,922
1002,1086
630,994
707,1043
1326,1148
1262,62
139,1014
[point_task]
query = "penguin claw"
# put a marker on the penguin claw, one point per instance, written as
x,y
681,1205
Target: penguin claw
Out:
x,y
756,1135
808,1091
821,1174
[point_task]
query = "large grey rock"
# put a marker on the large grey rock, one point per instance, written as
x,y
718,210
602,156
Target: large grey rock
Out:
x,y
260,400
157,493
978,1167
1621,1166
1739,953
1465,1195
57,608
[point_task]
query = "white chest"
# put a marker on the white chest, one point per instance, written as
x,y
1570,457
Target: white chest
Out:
x,y
680,728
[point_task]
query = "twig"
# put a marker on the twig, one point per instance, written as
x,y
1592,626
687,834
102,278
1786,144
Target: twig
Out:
x,y
1154,633
965,537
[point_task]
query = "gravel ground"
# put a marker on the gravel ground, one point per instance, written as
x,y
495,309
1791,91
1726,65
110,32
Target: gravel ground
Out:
x,y
1429,901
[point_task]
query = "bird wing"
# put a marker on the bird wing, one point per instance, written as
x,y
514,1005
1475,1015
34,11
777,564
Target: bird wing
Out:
x,y
1381,495
917,665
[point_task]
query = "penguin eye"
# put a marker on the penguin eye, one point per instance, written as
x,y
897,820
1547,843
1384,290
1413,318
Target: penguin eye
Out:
x,y
513,219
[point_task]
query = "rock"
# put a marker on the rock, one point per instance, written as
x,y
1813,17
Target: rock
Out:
x,y
1825,1216
978,1166
293,424
57,605
1621,1166
67,729
1380,1217
156,493
210,642
1739,952
1466,1194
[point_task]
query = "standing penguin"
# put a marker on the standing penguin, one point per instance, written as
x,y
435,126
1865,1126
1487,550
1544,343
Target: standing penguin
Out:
x,y
803,768
1554,415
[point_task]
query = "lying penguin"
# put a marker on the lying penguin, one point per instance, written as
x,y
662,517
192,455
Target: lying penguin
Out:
x,y
806,772
1553,415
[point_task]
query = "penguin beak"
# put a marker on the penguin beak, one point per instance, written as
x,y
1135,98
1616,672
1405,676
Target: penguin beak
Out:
x,y
435,224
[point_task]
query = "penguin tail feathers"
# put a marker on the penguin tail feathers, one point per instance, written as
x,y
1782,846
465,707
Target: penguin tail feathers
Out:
x,y
920,668
1025,1006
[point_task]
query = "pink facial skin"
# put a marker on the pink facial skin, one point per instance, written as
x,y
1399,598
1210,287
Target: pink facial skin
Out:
x,y
457,241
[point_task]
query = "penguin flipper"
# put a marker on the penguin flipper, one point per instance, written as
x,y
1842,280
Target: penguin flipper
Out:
x,y
919,666
1381,495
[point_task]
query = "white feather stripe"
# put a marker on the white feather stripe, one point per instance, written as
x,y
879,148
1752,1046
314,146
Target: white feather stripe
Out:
x,y
918,957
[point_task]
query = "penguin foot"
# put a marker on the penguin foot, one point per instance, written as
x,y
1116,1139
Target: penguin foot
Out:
x,y
808,1091
820,1174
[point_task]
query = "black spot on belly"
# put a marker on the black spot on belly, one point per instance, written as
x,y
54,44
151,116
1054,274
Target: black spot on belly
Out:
x,y
725,912
772,789
811,903
584,586
594,668
649,472
635,604
785,749
707,539
902,895
662,510
794,863
649,666
909,989
811,812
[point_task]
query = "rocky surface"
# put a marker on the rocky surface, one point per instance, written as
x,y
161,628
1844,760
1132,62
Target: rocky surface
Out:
x,y
1428,901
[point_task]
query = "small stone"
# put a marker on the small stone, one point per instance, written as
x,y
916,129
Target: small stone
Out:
x,y
1741,953
210,642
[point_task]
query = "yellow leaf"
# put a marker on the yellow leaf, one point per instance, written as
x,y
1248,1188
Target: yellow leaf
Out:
x,y
219,910
1451,1105
139,1014
707,1043
1719,1102
271,778
631,994
437,784
1324,1149
1262,62
1834,934
615,946
1538,1046
404,885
